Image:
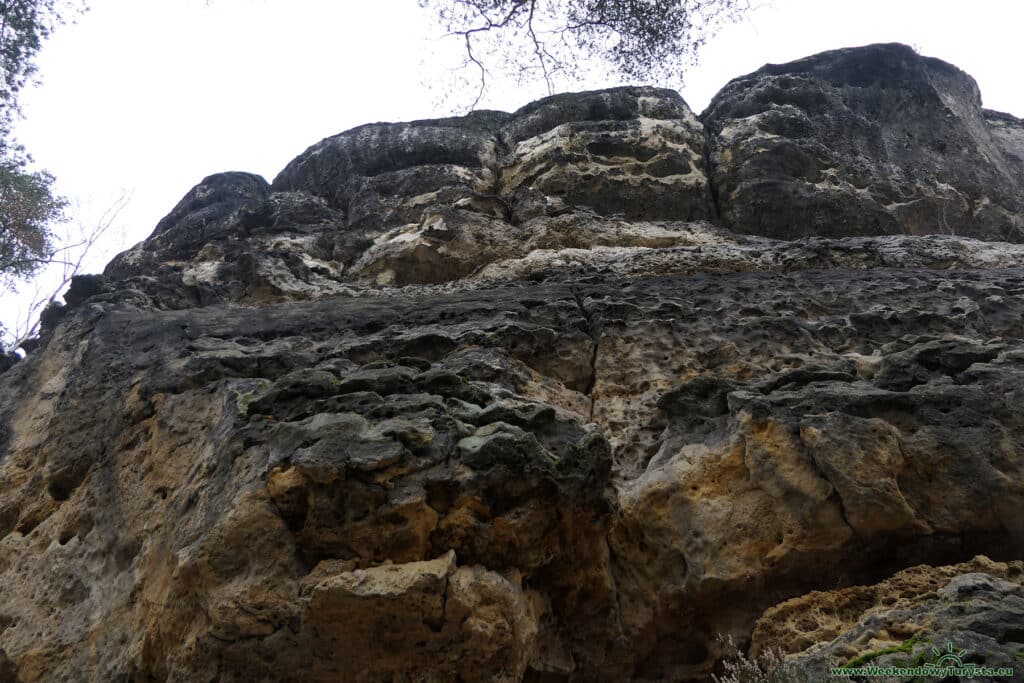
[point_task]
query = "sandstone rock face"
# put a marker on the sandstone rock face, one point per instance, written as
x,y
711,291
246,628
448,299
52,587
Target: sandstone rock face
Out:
x,y
542,396
636,152
1008,132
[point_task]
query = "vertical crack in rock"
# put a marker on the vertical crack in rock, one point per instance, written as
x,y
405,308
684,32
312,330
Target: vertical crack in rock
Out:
x,y
612,561
443,611
840,504
593,330
842,513
710,136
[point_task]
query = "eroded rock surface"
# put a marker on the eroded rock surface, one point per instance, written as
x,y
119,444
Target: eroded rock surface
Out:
x,y
874,140
540,396
974,610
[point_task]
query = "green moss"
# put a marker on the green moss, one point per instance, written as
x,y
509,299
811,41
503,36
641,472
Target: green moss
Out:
x,y
242,400
247,392
905,646
1020,654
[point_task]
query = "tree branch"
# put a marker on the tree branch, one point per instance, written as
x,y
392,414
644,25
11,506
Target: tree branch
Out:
x,y
642,40
73,255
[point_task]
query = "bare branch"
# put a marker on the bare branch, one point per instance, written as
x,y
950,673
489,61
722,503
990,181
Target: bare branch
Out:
x,y
483,72
70,255
538,49
647,41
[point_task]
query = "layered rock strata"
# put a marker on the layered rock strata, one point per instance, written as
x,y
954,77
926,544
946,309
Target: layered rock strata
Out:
x,y
544,396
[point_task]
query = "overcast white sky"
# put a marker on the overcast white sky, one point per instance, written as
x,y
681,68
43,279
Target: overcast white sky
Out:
x,y
150,96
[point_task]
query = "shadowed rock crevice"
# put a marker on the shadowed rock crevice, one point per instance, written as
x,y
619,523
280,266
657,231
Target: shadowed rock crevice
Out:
x,y
592,329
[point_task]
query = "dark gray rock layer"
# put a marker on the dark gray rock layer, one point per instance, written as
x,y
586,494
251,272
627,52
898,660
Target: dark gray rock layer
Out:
x,y
863,141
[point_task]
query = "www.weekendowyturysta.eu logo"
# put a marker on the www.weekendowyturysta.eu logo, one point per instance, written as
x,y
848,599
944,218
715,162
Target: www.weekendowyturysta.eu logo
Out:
x,y
945,662
948,658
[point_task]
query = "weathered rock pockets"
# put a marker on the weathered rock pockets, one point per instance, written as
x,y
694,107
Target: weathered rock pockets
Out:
x,y
872,141
543,396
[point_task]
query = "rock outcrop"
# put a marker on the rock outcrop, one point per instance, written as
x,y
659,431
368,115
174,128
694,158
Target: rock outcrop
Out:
x,y
545,396
875,140
973,610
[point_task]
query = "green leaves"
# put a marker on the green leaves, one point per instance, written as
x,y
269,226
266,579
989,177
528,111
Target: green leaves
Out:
x,y
27,208
28,205
24,25
642,41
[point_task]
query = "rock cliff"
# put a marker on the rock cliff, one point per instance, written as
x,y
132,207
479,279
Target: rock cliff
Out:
x,y
557,395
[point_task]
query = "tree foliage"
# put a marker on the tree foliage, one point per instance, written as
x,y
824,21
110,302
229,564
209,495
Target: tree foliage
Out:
x,y
24,25
28,208
28,204
642,41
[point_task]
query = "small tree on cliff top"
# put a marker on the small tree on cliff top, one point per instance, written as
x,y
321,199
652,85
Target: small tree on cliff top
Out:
x,y
643,41
28,204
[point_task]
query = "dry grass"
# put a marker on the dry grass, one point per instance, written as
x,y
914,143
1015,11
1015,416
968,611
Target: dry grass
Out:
x,y
770,667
